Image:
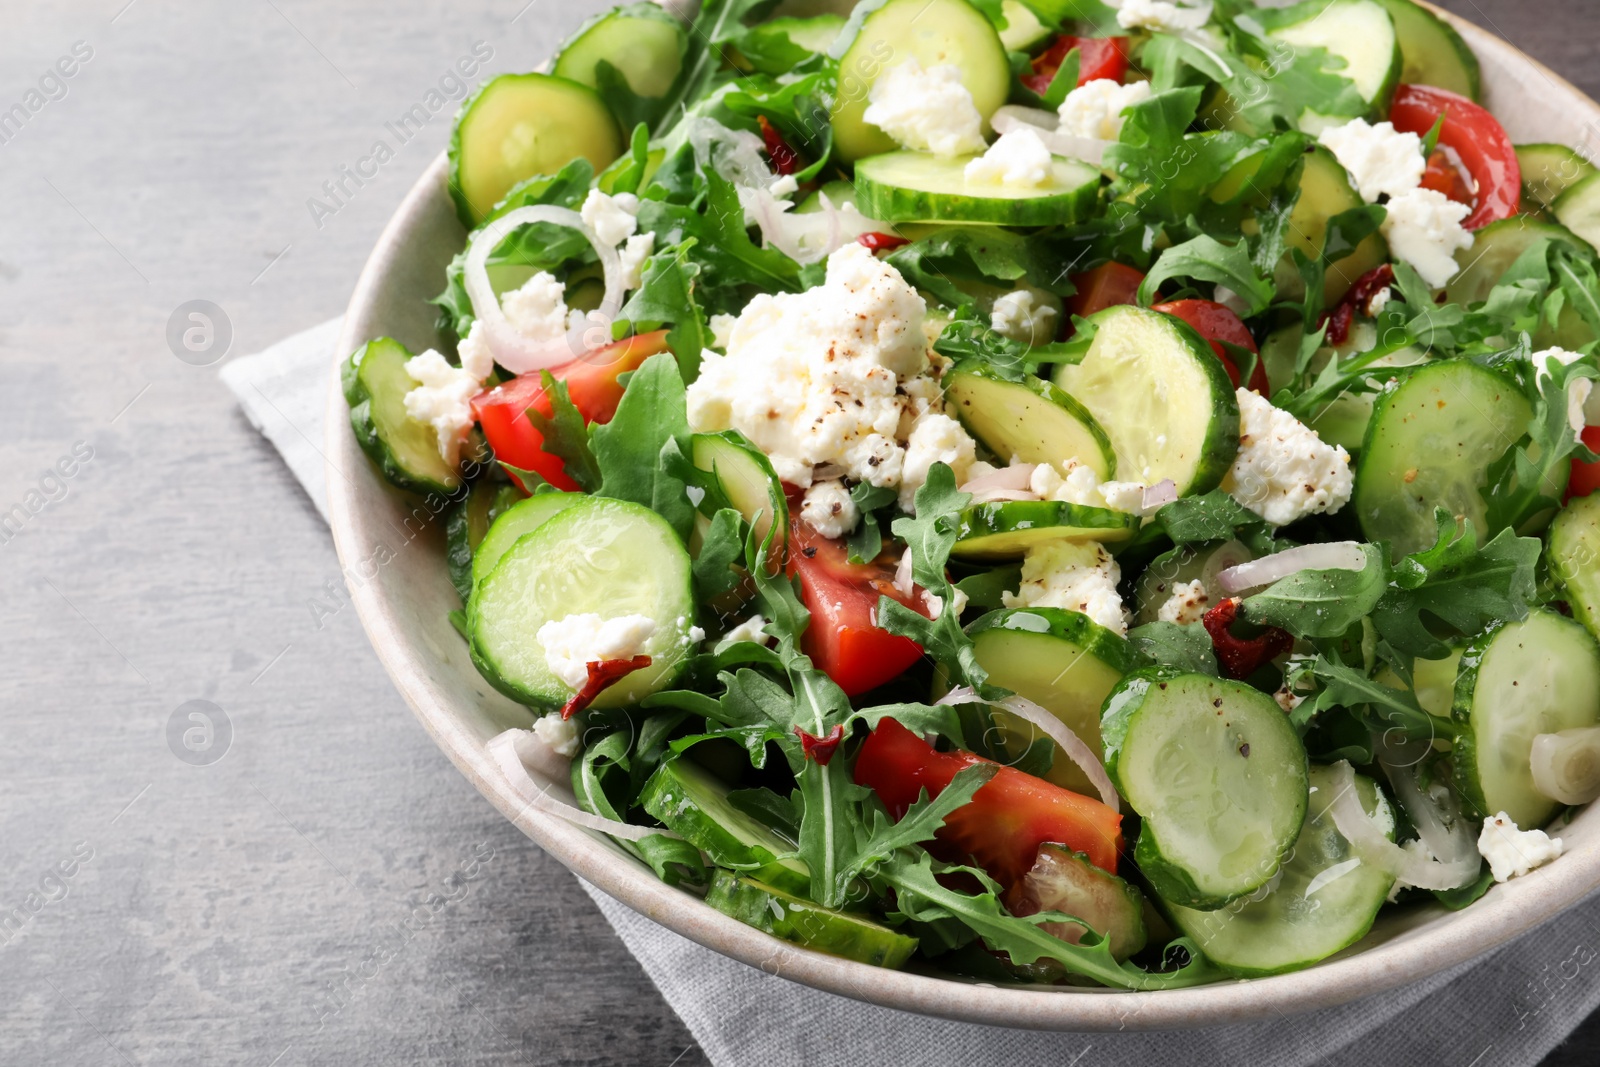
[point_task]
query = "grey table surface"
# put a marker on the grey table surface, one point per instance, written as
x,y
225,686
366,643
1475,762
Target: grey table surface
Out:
x,y
330,890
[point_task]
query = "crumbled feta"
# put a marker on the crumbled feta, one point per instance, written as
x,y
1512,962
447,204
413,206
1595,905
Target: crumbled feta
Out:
x,y
1022,316
1094,109
722,330
1123,496
750,629
934,439
828,509
1075,577
1288,700
561,736
785,187
612,218
928,110
1579,390
1019,159
1512,852
477,358
1188,603
815,377
1284,471
633,253
442,399
1379,301
538,308
935,603
1161,15
1424,229
1080,485
572,643
1380,160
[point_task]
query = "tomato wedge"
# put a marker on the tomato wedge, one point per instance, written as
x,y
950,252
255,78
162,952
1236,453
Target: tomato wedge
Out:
x,y
1218,323
1106,286
591,383
1585,476
1445,176
1098,58
1478,140
843,639
1008,819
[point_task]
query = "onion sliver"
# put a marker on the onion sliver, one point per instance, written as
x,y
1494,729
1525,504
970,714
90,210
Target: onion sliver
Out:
x,y
1332,556
903,582
1159,495
1372,845
1069,743
1566,765
1045,123
1018,476
512,350
504,749
1445,831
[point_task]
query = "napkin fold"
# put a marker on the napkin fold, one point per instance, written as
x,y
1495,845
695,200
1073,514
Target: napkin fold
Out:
x,y
1509,1008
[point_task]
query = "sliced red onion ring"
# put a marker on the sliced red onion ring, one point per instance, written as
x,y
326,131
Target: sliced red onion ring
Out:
x,y
1159,495
1068,742
903,583
512,350
1046,125
1372,844
507,749
1331,556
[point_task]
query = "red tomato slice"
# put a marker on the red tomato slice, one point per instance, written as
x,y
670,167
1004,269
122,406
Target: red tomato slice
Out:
x,y
1007,820
1106,286
1098,57
591,383
1477,138
1218,323
843,639
1445,176
1585,476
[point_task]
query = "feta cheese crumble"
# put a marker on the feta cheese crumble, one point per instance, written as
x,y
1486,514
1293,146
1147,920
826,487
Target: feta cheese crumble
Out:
x,y
928,110
1380,160
1094,109
477,358
828,509
934,439
786,186
1512,852
1188,603
1075,577
1022,316
1579,390
722,330
537,308
1424,229
443,400
612,218
561,736
1161,15
1019,159
633,253
572,643
1284,471
748,630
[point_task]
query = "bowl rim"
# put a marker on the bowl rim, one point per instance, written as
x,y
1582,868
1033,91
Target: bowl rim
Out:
x,y
1411,955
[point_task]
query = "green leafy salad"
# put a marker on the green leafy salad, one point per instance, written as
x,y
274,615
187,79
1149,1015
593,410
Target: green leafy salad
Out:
x,y
1046,491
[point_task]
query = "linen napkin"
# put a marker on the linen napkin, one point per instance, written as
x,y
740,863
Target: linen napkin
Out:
x,y
1510,1008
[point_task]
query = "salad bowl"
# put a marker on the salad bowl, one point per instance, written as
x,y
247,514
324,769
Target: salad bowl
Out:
x,y
390,550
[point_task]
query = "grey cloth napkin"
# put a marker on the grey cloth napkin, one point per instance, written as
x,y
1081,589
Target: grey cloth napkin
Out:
x,y
1510,1008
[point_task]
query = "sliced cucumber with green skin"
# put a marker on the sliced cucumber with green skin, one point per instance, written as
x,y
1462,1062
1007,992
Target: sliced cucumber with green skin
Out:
x,y
1433,682
1494,249
1325,901
1006,530
1537,676
1161,395
1548,170
693,803
923,187
779,45
1180,566
1578,209
1429,446
1360,32
792,918
1325,192
1030,420
745,476
405,450
1023,28
642,42
467,526
1218,775
1061,660
885,33
1432,52
1574,558
515,523
607,557
1065,881
519,125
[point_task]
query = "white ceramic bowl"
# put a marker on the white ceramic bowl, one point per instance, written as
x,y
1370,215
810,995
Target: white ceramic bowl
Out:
x,y
402,593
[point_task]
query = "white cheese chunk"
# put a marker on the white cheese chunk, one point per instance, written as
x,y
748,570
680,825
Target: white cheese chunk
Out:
x,y
1424,229
1019,160
1094,109
572,643
1022,316
1580,391
926,110
1380,160
443,400
477,358
1161,15
934,439
561,736
748,630
612,218
633,254
1512,852
537,308
722,330
1074,577
828,509
1284,471
1188,603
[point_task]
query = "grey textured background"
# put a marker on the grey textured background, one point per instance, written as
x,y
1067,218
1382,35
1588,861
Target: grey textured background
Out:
x,y
330,890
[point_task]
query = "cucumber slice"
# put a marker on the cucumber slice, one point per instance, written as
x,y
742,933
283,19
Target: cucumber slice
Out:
x,y
1578,209
1180,566
1548,170
608,557
519,125
1030,420
1433,681
1061,660
467,526
693,803
809,925
643,43
884,33
1430,445
1006,530
1494,249
1325,901
517,521
779,45
922,187
745,476
1065,881
1360,32
1573,552
1325,192
1023,28
1162,396
1218,775
1432,52
1537,676
405,450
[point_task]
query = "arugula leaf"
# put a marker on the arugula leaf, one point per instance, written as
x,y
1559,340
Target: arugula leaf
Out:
x,y
566,434
1210,260
718,25
967,338
1292,79
627,173
1528,478
1064,80
1186,647
990,256
866,540
776,811
666,295
1216,516
722,546
1381,707
1168,171
651,417
1322,603
728,258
